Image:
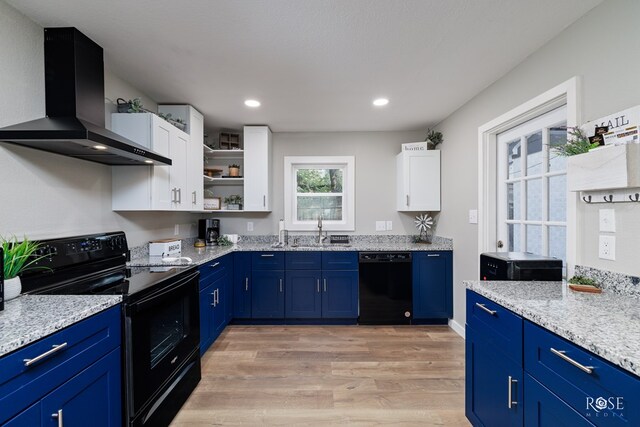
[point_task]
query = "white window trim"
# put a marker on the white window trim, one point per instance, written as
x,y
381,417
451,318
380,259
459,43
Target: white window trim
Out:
x,y
348,188
567,93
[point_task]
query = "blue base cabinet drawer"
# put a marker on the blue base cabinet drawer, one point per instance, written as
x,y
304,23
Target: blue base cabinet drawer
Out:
x,y
580,378
502,327
544,409
267,261
339,260
303,260
91,345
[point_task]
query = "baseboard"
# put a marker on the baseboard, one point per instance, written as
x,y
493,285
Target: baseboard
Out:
x,y
457,328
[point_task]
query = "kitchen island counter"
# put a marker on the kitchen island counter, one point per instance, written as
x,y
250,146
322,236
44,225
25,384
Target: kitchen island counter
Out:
x,y
606,324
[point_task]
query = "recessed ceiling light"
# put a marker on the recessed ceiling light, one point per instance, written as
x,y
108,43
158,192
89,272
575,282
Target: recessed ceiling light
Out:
x,y
99,147
380,102
148,161
252,103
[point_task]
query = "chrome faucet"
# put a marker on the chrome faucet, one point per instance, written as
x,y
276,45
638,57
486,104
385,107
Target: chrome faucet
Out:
x,y
320,229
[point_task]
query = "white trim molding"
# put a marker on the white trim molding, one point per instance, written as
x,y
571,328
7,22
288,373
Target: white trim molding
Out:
x,y
347,164
565,93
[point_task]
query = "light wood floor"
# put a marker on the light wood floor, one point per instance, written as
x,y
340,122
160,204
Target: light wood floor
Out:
x,y
330,375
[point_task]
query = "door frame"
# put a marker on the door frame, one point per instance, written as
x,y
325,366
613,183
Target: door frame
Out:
x,y
567,93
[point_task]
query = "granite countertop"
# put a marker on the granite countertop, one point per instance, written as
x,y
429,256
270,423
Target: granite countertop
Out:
x,y
29,318
606,324
202,255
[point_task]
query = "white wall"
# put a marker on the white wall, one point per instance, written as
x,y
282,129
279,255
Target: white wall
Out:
x,y
601,47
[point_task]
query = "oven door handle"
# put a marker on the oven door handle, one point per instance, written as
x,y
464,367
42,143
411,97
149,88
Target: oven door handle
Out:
x,y
163,295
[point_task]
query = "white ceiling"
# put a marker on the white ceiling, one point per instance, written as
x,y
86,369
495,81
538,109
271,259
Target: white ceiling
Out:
x,y
315,65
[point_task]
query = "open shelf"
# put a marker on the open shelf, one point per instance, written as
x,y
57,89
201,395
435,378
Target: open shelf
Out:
x,y
212,211
223,154
222,181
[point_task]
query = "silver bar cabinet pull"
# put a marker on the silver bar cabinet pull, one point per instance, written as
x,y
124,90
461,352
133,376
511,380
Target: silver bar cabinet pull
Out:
x,y
213,294
510,393
280,285
58,415
561,354
407,200
266,255
318,283
54,349
214,265
491,312
433,254
325,284
264,201
246,283
193,197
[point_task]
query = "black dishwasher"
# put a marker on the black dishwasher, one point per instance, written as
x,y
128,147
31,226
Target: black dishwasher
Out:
x,y
385,288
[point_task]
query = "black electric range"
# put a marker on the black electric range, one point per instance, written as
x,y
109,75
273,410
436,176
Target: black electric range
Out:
x,y
160,317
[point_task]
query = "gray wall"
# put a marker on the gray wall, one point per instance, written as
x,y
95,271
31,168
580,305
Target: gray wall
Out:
x,y
601,47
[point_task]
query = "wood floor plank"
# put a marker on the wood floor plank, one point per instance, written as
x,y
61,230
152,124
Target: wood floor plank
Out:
x,y
330,375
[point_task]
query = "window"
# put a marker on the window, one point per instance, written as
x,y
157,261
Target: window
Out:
x,y
319,187
532,189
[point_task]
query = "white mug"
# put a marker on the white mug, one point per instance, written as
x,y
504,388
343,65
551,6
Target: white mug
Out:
x,y
233,238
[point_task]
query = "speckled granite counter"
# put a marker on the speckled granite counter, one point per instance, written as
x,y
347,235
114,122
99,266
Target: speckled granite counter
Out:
x,y
28,318
202,255
606,324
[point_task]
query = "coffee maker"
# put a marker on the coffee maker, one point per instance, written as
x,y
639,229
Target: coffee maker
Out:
x,y
209,231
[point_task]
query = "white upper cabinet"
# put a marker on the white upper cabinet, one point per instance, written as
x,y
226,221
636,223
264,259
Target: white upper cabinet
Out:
x,y
257,168
193,196
418,180
155,187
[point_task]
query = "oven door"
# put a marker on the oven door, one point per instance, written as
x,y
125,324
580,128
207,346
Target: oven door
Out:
x,y
163,329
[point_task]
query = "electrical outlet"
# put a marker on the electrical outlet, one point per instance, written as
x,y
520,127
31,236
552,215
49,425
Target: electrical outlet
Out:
x,y
607,247
473,216
389,225
380,226
608,220
249,226
176,230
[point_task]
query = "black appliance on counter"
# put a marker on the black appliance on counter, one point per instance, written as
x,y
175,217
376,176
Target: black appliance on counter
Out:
x,y
161,318
385,288
74,101
519,266
209,231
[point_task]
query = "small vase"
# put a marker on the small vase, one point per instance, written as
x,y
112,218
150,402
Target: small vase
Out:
x,y
12,288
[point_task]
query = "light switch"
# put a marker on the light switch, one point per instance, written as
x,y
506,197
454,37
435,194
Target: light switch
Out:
x,y
473,216
608,220
380,226
389,225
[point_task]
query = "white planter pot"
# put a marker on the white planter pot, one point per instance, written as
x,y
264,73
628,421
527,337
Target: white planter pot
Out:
x,y
12,288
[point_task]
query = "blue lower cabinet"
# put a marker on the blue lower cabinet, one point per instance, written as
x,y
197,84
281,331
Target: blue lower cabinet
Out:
x,y
216,304
339,294
94,394
545,409
28,418
493,384
432,285
242,285
303,294
267,294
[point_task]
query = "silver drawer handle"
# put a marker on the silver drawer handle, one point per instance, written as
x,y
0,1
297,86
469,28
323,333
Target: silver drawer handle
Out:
x,y
491,312
511,402
280,285
54,349
58,415
246,283
561,354
214,265
266,255
433,255
318,282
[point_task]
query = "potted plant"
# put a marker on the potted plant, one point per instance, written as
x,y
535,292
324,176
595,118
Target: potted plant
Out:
x,y
234,170
233,202
433,139
18,257
577,143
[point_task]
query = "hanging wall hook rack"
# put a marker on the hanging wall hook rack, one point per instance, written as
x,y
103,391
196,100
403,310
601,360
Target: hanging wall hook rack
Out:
x,y
635,198
609,198
586,199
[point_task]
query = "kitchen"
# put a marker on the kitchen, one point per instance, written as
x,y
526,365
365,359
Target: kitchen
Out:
x,y
68,197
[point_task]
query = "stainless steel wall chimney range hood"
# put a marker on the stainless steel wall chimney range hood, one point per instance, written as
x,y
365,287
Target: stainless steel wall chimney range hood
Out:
x,y
74,89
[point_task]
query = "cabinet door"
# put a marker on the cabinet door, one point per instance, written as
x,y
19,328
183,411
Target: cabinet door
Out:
x,y
432,285
257,172
195,186
161,195
267,294
545,409
490,376
220,287
339,294
206,318
94,394
178,151
242,285
418,181
28,418
303,294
